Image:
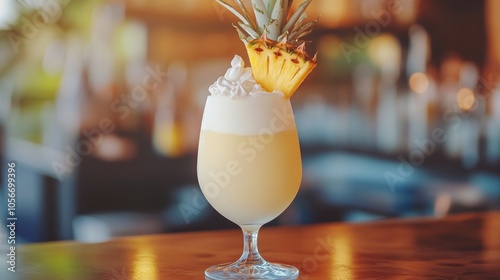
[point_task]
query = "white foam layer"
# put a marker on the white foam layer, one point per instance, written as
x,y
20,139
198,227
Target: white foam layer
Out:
x,y
251,115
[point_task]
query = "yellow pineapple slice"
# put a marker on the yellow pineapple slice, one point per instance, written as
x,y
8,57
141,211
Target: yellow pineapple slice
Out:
x,y
277,66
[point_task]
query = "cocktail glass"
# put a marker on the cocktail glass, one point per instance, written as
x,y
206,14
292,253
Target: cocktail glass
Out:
x,y
249,169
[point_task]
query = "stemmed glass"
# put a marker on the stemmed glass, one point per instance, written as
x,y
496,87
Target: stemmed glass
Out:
x,y
249,169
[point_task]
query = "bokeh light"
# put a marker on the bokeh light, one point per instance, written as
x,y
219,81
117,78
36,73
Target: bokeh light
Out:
x,y
465,99
385,52
419,83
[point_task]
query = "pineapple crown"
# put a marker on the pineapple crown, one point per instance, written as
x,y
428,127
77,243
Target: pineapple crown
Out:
x,y
272,21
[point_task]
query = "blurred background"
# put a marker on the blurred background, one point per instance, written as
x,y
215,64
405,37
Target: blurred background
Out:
x,y
101,104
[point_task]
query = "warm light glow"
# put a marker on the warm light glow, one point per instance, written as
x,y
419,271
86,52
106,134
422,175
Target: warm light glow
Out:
x,y
133,38
493,29
333,12
114,148
385,52
342,255
419,83
405,11
465,99
329,46
490,237
145,264
368,9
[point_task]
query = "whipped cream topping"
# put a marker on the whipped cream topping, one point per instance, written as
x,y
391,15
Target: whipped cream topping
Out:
x,y
238,81
235,99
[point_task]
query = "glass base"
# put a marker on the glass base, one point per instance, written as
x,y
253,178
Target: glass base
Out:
x,y
242,271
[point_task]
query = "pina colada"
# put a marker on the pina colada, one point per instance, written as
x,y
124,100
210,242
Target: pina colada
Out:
x,y
249,178
249,165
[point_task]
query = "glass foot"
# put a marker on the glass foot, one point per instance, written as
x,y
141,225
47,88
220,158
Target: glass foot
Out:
x,y
241,271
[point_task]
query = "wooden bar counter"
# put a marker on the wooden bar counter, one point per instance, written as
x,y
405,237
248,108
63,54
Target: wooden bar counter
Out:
x,y
457,247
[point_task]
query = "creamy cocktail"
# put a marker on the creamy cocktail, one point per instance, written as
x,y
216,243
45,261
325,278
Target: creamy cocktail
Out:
x,y
249,164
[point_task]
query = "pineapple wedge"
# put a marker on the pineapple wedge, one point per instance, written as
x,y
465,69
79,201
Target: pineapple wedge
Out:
x,y
278,66
274,42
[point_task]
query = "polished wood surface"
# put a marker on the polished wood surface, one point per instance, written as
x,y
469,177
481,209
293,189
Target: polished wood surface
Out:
x,y
455,248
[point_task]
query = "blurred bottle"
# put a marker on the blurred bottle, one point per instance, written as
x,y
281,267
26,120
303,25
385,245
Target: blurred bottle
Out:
x,y
422,95
115,70
385,52
6,91
36,78
450,84
364,94
419,50
103,78
493,128
168,128
71,96
139,80
471,110
492,135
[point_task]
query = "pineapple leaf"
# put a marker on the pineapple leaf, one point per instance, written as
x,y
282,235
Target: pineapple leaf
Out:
x,y
261,14
299,22
273,30
242,34
246,14
284,16
306,26
234,11
277,14
283,36
295,37
270,5
303,30
296,15
249,30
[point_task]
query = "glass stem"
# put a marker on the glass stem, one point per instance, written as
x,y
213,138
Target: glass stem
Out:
x,y
251,254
